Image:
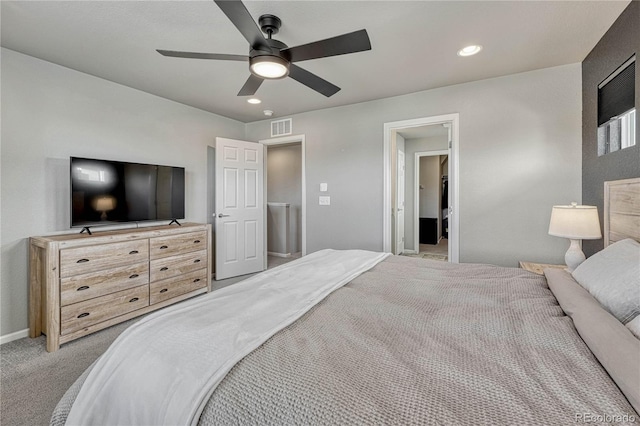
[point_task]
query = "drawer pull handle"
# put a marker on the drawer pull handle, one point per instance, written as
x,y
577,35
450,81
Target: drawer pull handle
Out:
x,y
86,314
84,287
82,261
135,299
164,268
164,290
133,252
196,280
196,261
134,276
196,241
163,247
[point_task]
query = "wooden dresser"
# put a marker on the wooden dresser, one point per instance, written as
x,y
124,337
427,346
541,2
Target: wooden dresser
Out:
x,y
82,283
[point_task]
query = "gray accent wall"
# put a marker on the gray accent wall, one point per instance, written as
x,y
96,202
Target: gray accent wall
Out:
x,y
50,113
619,43
520,153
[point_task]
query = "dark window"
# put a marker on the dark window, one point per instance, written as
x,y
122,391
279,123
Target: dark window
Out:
x,y
616,109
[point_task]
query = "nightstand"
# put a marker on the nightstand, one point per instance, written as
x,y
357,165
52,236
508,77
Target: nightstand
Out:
x,y
538,268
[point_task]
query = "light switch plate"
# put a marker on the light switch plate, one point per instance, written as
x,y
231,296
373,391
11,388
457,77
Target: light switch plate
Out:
x,y
324,200
323,187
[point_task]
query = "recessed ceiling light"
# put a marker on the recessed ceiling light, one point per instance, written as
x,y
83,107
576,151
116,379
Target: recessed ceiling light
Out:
x,y
254,101
469,50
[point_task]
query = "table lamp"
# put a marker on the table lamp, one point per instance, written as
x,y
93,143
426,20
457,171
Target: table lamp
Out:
x,y
576,223
105,204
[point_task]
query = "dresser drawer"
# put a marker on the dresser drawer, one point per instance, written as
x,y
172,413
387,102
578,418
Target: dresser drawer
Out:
x,y
177,244
87,286
84,314
172,287
177,265
82,260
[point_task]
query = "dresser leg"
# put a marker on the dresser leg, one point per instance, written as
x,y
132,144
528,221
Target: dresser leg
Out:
x,y
53,343
35,291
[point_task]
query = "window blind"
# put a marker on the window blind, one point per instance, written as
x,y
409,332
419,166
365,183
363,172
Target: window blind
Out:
x,y
616,94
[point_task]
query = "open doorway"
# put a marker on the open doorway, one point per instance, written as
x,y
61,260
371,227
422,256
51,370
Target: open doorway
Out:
x,y
285,212
430,137
431,201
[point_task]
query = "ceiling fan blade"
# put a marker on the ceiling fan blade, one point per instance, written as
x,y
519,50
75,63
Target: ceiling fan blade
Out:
x,y
250,86
239,16
196,55
312,81
356,41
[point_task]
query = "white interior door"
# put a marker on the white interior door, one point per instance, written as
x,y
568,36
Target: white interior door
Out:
x,y
400,205
239,211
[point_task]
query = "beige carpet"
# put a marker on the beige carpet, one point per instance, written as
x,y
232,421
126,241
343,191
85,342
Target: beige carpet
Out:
x,y
432,256
438,251
32,380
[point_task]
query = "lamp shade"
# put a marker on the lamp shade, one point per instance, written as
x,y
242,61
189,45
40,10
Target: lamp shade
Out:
x,y
575,222
105,204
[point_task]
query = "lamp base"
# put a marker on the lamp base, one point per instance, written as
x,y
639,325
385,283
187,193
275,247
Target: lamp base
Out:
x,y
574,256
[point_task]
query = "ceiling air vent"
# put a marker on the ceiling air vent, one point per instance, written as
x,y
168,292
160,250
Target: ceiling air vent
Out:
x,y
281,127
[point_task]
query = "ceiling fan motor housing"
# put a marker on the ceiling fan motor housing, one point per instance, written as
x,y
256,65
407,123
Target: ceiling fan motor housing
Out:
x,y
256,57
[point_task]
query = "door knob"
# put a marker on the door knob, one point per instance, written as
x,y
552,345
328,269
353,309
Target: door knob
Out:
x,y
224,215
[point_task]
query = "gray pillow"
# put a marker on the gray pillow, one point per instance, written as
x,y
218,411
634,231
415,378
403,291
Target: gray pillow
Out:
x,y
612,276
634,326
616,349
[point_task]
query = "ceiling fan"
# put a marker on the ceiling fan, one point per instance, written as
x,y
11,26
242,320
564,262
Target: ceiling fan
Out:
x,y
272,59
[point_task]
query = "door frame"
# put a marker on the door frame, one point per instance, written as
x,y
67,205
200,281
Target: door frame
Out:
x,y
416,193
454,198
404,186
285,140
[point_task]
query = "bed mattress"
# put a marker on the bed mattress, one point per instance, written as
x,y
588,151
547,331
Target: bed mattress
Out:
x,y
413,341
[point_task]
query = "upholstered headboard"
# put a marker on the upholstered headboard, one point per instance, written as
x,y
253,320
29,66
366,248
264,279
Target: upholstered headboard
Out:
x,y
621,210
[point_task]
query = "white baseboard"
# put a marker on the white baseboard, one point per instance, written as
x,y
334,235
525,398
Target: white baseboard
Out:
x,y
14,336
271,253
410,252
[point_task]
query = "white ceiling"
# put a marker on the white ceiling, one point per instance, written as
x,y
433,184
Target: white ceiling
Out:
x,y
414,45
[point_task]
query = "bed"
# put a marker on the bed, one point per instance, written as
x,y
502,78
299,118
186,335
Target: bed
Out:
x,y
387,340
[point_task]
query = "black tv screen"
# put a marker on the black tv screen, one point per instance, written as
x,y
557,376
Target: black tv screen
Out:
x,y
105,192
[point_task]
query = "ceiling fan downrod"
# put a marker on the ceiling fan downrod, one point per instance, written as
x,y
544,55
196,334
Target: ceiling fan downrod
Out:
x,y
269,24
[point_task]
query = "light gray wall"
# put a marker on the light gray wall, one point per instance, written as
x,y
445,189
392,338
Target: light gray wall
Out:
x,y
520,153
284,185
435,143
50,113
429,181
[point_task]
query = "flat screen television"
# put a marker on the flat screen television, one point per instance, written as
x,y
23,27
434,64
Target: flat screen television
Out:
x,y
105,192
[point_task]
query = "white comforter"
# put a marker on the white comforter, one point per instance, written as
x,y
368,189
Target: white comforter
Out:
x,y
163,369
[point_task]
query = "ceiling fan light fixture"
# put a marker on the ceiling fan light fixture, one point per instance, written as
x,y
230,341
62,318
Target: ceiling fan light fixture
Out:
x,y
470,50
269,67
